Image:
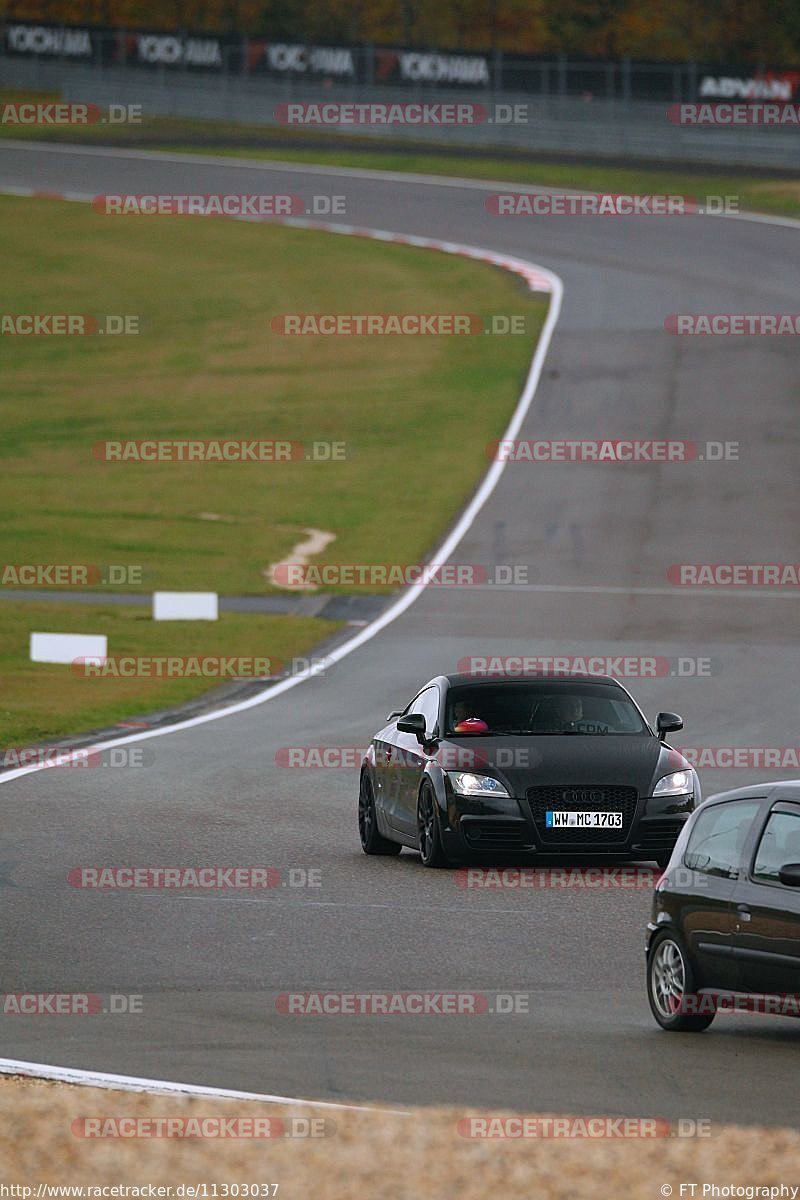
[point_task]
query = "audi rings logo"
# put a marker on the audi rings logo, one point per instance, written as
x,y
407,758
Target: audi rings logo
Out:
x,y
581,796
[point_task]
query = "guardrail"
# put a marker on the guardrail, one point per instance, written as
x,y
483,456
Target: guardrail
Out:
x,y
587,125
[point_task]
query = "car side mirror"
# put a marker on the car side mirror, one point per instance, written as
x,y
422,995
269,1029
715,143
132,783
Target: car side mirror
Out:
x,y
667,722
413,723
790,875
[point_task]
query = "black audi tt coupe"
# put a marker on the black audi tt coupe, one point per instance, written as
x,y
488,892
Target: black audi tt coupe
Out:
x,y
546,764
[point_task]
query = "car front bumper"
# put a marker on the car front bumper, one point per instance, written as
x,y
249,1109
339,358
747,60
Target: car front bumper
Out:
x,y
492,825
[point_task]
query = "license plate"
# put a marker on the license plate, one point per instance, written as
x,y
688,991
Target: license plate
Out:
x,y
556,819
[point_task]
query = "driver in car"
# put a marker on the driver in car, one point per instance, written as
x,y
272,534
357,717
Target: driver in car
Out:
x,y
558,714
464,721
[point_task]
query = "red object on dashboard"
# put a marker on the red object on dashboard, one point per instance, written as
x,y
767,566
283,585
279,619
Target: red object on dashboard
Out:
x,y
471,725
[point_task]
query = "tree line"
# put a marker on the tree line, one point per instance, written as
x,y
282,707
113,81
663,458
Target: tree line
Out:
x,y
725,31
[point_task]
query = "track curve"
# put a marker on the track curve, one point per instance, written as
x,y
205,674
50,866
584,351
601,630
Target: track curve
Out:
x,y
598,541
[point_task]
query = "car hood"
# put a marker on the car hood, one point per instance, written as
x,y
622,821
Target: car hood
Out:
x,y
526,762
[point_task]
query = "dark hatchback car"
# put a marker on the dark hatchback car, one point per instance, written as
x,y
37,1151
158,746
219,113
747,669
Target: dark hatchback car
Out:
x,y
547,765
725,927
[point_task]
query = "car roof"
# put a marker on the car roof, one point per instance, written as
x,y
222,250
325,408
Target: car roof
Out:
x,y
774,790
465,677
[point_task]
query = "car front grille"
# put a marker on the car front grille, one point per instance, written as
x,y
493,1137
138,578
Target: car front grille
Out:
x,y
582,798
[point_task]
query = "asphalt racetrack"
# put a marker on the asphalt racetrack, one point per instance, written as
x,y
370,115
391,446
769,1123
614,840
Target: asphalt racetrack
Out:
x,y
598,541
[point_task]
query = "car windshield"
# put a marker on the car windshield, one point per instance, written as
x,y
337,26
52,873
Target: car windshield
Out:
x,y
541,708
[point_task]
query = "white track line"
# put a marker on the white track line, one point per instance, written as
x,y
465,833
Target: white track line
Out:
x,y
539,280
132,1083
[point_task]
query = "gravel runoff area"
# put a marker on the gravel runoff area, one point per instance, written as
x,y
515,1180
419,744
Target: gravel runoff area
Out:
x,y
364,1154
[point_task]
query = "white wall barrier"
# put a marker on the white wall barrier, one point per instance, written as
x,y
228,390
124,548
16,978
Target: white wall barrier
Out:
x,y
185,606
66,647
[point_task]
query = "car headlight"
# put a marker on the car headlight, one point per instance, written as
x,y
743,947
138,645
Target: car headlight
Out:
x,y
468,784
679,783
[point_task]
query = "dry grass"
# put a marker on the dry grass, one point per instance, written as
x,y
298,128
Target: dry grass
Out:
x,y
368,1155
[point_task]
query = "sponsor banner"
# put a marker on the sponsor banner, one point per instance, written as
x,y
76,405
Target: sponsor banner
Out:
x,y
50,41
769,86
432,68
175,50
107,45
303,61
326,64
